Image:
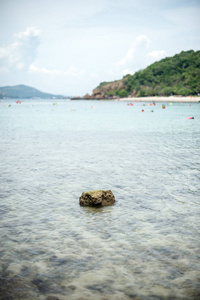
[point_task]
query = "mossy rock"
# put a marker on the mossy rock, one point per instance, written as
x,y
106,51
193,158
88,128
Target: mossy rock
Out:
x,y
97,198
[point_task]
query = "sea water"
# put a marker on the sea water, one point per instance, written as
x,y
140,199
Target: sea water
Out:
x,y
146,246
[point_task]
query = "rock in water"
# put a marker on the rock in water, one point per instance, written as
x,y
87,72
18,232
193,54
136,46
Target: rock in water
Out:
x,y
97,198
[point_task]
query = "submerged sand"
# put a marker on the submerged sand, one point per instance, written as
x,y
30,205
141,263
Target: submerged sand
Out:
x,y
163,99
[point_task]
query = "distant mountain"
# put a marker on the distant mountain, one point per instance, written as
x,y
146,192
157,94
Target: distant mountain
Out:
x,y
24,91
177,75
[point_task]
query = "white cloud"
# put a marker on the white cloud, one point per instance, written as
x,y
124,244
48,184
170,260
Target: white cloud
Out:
x,y
29,32
43,70
138,47
71,71
157,54
22,52
137,57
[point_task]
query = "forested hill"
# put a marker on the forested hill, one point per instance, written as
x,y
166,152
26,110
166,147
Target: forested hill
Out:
x,y
177,75
24,91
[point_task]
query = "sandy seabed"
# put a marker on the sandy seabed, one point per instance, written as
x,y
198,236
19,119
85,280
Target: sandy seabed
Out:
x,y
162,99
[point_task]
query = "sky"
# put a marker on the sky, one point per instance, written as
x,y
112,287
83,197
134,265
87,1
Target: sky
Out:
x,y
68,47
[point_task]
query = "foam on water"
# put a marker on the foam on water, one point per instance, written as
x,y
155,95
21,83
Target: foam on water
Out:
x,y
146,246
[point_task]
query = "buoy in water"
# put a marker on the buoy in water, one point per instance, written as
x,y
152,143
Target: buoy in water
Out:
x,y
142,110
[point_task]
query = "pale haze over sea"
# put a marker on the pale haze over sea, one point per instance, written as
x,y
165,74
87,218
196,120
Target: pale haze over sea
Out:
x,y
69,47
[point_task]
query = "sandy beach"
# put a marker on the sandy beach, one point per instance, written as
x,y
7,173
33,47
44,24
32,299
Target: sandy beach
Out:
x,y
163,99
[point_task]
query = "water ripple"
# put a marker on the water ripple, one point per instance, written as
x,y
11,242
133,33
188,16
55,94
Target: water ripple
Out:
x,y
146,246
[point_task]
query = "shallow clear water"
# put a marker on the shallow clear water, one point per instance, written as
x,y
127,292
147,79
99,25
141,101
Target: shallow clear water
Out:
x,y
146,246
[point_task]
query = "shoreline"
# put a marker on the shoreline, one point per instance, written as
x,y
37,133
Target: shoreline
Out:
x,y
177,99
161,99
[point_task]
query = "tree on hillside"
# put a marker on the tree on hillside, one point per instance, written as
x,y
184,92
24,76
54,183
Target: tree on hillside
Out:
x,y
177,75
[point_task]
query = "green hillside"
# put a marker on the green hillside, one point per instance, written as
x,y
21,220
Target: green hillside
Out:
x,y
177,75
23,91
